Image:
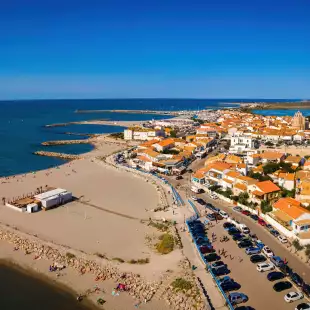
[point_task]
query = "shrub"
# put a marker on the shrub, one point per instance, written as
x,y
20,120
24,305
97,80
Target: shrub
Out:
x,y
166,244
70,255
181,284
120,260
100,255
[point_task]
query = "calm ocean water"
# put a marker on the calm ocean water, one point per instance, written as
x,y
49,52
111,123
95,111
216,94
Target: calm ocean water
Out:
x,y
22,131
22,291
282,112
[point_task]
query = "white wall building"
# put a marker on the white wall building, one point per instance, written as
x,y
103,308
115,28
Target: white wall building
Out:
x,y
54,198
142,134
241,144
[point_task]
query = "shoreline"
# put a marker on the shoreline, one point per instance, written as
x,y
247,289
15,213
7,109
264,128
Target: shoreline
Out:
x,y
32,273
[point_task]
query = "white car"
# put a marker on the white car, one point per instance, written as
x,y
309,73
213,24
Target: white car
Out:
x,y
267,251
293,296
303,306
224,214
194,198
282,239
261,267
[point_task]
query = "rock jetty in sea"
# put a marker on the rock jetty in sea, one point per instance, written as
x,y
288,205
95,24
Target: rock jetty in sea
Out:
x,y
59,155
64,142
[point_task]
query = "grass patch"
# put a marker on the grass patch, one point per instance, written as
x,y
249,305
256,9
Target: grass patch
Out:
x,y
101,255
160,226
70,255
166,244
118,259
181,284
140,261
117,135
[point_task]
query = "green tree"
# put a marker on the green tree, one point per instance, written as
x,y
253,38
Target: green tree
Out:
x,y
269,143
307,252
243,198
265,206
173,134
296,244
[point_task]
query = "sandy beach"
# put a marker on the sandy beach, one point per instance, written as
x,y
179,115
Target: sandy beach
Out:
x,y
109,218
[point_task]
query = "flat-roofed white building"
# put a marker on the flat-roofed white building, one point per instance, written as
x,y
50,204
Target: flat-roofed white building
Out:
x,y
54,198
142,134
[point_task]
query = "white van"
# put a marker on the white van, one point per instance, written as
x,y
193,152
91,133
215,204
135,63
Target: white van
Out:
x,y
195,189
244,229
224,214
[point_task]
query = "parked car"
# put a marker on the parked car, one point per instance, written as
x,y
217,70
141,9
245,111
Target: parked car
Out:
x,y
303,306
224,214
204,249
276,260
246,212
282,239
267,251
212,257
228,225
275,275
252,250
218,264
237,298
254,217
297,279
237,209
269,227
286,269
253,237
237,237
178,177
258,258
225,279
244,308
201,201
245,244
211,216
282,286
293,296
306,289
230,286
194,198
233,231
275,233
261,222
261,267
220,271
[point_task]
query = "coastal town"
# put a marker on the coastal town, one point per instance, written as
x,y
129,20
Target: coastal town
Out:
x,y
202,196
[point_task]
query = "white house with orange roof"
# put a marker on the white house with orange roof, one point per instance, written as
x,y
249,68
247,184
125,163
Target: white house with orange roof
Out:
x,y
287,180
275,157
241,144
265,190
229,178
163,145
217,172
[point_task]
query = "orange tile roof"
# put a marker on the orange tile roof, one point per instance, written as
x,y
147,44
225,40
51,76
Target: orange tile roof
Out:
x,y
233,158
291,207
150,153
149,143
287,176
258,193
166,142
143,158
267,187
233,174
271,155
293,159
228,181
241,186
221,166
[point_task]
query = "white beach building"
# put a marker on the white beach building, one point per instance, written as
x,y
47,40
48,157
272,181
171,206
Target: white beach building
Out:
x,y
54,198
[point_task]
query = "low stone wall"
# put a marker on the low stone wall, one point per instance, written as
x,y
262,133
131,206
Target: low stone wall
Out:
x,y
64,142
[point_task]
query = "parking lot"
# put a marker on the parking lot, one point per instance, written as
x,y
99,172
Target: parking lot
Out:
x,y
254,284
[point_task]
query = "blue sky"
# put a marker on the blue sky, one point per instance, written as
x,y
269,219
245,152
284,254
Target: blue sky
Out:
x,y
184,49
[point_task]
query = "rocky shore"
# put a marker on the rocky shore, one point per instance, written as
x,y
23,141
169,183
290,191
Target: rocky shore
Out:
x,y
59,155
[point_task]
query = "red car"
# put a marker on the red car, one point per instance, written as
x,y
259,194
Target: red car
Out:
x,y
261,222
246,212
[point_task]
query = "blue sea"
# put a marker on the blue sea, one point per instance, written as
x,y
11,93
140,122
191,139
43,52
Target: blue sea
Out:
x,y
22,125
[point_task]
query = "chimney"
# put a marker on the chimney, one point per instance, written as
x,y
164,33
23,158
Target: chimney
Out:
x,y
289,206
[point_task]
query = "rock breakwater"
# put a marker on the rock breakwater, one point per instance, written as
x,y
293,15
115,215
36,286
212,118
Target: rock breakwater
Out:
x,y
59,155
64,142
